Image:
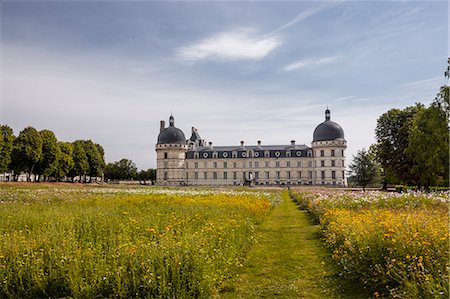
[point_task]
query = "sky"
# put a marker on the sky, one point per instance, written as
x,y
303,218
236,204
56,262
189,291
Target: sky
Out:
x,y
261,70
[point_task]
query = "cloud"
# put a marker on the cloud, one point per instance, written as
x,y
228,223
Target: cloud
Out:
x,y
302,16
309,63
240,44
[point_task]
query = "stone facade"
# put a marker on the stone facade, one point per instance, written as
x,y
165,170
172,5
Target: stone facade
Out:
x,y
193,162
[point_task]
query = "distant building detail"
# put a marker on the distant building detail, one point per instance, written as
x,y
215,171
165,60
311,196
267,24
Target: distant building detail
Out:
x,y
195,162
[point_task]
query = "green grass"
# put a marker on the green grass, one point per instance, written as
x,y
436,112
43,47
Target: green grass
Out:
x,y
288,261
130,243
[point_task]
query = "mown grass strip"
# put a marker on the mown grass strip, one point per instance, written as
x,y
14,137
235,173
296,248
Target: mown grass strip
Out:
x,y
287,261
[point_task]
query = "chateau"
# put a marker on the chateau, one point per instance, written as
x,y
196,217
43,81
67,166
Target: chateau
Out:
x,y
193,162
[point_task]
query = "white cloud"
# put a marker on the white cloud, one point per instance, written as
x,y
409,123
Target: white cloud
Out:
x,y
241,44
309,63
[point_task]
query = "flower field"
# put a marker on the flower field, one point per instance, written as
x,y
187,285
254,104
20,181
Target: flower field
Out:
x,y
396,244
124,242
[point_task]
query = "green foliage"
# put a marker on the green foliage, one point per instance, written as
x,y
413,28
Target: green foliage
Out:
x,y
94,154
27,150
428,146
80,159
50,154
392,135
121,170
6,147
364,170
65,162
147,175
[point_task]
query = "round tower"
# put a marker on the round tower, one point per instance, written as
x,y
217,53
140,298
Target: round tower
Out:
x,y
329,147
170,154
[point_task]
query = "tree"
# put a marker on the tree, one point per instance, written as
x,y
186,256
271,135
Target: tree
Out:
x,y
363,169
147,175
392,135
428,144
6,147
65,161
50,154
94,154
121,170
80,159
27,151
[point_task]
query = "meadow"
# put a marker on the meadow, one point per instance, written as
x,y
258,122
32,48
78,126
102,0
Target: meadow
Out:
x,y
395,244
88,242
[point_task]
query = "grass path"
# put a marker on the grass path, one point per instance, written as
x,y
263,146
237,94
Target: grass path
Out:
x,y
287,261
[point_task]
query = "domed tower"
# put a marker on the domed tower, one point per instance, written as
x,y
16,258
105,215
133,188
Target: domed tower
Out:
x,y
329,147
170,154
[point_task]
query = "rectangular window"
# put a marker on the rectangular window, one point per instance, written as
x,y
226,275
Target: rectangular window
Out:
x,y
250,165
243,175
165,175
243,164
299,175
196,164
196,175
333,163
225,165
267,175
214,175
299,164
289,175
166,165
234,165
267,164
343,175
205,164
187,165
234,175
322,163
215,165
343,163
225,175
165,156
256,164
187,176
277,164
257,175
310,175
288,164
322,153
322,174
278,175
205,175
309,163
332,153
333,174
342,153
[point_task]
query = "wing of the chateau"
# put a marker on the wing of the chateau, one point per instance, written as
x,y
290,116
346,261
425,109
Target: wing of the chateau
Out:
x,y
192,161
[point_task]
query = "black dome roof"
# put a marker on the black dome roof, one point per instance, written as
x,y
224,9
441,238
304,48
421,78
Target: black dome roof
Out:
x,y
171,134
328,130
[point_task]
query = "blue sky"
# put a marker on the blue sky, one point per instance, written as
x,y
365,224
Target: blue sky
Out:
x,y
110,71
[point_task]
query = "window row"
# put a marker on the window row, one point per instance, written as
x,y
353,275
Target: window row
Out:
x,y
250,164
248,175
329,153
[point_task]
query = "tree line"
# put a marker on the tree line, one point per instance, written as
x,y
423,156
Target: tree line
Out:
x,y
412,147
40,154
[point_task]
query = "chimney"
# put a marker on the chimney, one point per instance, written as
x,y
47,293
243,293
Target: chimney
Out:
x,y
162,125
292,142
242,143
259,143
